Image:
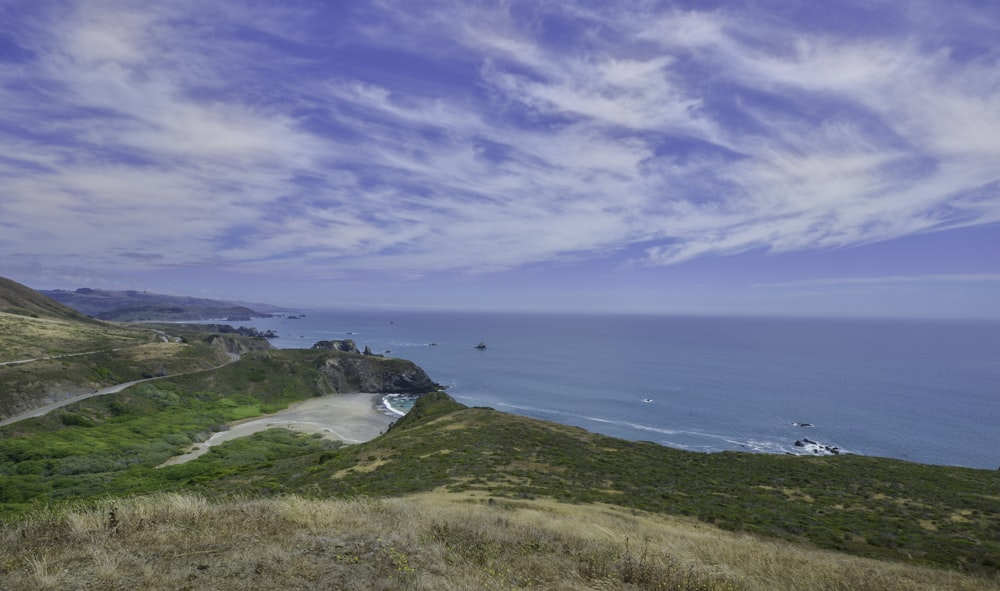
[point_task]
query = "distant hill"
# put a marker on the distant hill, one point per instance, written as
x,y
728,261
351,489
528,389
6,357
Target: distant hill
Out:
x,y
24,301
130,306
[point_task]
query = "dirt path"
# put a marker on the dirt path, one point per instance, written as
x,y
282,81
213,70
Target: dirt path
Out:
x,y
352,418
44,410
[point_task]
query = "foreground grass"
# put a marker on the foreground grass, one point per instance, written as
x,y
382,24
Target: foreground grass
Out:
x,y
867,506
871,507
429,541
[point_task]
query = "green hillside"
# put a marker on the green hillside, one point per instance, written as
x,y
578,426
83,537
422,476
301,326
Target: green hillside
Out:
x,y
86,485
867,506
24,301
49,352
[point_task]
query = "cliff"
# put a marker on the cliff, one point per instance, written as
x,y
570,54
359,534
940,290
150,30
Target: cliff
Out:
x,y
349,372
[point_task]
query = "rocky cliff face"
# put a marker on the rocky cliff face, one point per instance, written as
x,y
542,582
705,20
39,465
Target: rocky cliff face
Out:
x,y
358,373
346,345
232,343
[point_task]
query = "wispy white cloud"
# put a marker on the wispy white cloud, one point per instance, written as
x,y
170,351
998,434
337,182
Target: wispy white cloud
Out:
x,y
890,280
244,134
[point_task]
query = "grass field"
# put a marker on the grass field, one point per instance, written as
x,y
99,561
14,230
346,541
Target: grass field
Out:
x,y
27,337
435,541
871,507
121,355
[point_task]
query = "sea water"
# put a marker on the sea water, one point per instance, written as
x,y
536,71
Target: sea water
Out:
x,y
920,390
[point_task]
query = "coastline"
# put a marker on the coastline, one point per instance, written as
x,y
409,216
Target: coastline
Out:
x,y
351,418
387,408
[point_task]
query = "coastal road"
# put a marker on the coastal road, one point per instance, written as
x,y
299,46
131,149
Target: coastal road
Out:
x,y
20,361
164,336
44,410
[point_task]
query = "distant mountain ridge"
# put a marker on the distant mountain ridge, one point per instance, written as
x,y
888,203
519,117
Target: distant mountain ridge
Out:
x,y
24,301
131,305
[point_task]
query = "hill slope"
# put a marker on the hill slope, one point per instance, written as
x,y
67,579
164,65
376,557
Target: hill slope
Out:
x,y
50,353
130,306
24,301
90,458
868,506
432,542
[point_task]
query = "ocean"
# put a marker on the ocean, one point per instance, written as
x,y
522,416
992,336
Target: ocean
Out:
x,y
920,390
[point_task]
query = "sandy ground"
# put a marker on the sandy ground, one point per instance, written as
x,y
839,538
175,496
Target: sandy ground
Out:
x,y
352,418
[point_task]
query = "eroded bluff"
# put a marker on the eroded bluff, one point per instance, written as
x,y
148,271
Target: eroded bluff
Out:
x,y
348,372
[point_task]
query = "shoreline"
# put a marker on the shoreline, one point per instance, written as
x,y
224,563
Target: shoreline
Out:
x,y
388,408
350,418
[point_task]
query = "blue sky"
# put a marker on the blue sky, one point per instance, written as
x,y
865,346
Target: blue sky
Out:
x,y
756,157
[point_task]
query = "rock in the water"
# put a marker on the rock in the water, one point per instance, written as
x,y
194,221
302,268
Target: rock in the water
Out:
x,y
481,346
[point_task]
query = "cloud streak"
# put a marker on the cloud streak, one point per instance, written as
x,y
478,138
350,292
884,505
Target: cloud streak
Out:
x,y
476,137
894,279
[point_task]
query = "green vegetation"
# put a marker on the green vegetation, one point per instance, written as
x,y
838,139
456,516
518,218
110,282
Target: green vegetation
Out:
x,y
27,337
70,486
111,444
24,385
866,506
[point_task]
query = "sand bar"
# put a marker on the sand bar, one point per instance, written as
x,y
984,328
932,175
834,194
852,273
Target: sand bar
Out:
x,y
352,418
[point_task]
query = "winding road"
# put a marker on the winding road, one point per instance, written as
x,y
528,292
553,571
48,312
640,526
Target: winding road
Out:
x,y
44,410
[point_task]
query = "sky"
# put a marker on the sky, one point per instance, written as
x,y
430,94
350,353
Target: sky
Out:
x,y
706,157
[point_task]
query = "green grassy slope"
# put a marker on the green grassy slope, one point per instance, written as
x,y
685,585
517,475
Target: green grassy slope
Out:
x,y
866,506
112,444
862,505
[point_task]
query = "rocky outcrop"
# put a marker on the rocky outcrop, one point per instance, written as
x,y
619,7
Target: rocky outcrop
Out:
x,y
236,344
346,345
245,331
817,448
346,372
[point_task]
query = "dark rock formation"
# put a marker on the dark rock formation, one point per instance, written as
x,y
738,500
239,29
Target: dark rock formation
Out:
x,y
345,345
246,331
481,346
231,343
817,448
345,372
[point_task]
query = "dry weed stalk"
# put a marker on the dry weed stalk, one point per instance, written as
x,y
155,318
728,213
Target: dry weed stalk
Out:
x,y
432,541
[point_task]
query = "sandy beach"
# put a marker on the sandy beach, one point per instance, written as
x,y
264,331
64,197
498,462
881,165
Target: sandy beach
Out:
x,y
352,418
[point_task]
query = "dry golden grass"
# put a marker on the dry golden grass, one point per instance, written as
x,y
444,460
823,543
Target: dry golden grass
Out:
x,y
431,541
26,337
